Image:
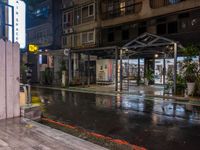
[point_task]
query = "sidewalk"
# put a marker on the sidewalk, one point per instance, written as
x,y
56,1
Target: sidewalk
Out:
x,y
148,91
23,134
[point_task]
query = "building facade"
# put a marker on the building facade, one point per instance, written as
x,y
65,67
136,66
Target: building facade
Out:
x,y
124,20
88,24
80,24
39,24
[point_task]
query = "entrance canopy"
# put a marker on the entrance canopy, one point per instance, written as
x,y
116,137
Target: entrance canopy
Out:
x,y
147,44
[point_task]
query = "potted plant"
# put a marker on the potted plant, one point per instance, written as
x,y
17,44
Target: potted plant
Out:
x,y
190,76
197,86
149,76
190,68
180,85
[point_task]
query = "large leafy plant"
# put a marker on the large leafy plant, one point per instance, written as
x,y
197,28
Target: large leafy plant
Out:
x,y
149,74
190,68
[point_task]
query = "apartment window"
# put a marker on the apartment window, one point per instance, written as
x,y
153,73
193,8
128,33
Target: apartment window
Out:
x,y
142,28
172,27
161,29
162,3
91,10
125,32
88,11
88,37
116,8
67,19
91,36
130,6
77,16
183,24
84,37
122,8
41,12
44,59
110,7
183,21
64,41
111,35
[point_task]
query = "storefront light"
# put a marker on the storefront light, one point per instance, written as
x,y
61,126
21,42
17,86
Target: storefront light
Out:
x,y
156,55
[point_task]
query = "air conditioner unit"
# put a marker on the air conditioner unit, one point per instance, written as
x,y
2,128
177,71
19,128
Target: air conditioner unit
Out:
x,y
67,31
71,30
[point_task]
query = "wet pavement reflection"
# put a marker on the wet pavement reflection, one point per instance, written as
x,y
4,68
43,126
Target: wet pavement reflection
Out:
x,y
154,123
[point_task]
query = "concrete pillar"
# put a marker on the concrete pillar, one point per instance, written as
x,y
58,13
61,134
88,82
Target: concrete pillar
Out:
x,y
88,70
121,70
164,69
75,65
69,68
116,69
128,74
138,76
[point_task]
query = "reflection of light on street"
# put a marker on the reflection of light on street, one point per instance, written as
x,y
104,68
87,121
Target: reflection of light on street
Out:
x,y
104,101
154,119
118,100
134,105
63,96
125,112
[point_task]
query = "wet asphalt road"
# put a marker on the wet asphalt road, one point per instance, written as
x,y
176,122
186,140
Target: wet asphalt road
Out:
x,y
153,123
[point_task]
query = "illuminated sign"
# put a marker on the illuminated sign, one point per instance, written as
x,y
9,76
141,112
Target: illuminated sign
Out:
x,y
33,48
19,22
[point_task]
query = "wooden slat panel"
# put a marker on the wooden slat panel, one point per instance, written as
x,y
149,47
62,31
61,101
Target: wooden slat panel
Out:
x,y
9,80
2,81
24,134
16,79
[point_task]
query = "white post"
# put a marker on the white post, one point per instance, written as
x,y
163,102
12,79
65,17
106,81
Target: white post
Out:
x,y
175,66
2,81
121,70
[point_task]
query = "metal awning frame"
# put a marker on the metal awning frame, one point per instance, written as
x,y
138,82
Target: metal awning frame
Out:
x,y
138,44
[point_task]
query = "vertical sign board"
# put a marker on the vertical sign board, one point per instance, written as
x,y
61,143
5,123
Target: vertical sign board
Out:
x,y
19,19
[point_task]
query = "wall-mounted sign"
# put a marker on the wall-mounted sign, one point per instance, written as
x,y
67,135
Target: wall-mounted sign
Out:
x,y
19,22
32,48
66,52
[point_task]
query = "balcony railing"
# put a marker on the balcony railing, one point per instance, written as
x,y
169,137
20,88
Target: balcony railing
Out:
x,y
123,11
162,3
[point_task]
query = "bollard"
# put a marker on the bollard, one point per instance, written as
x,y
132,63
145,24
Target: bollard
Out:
x,y
25,95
